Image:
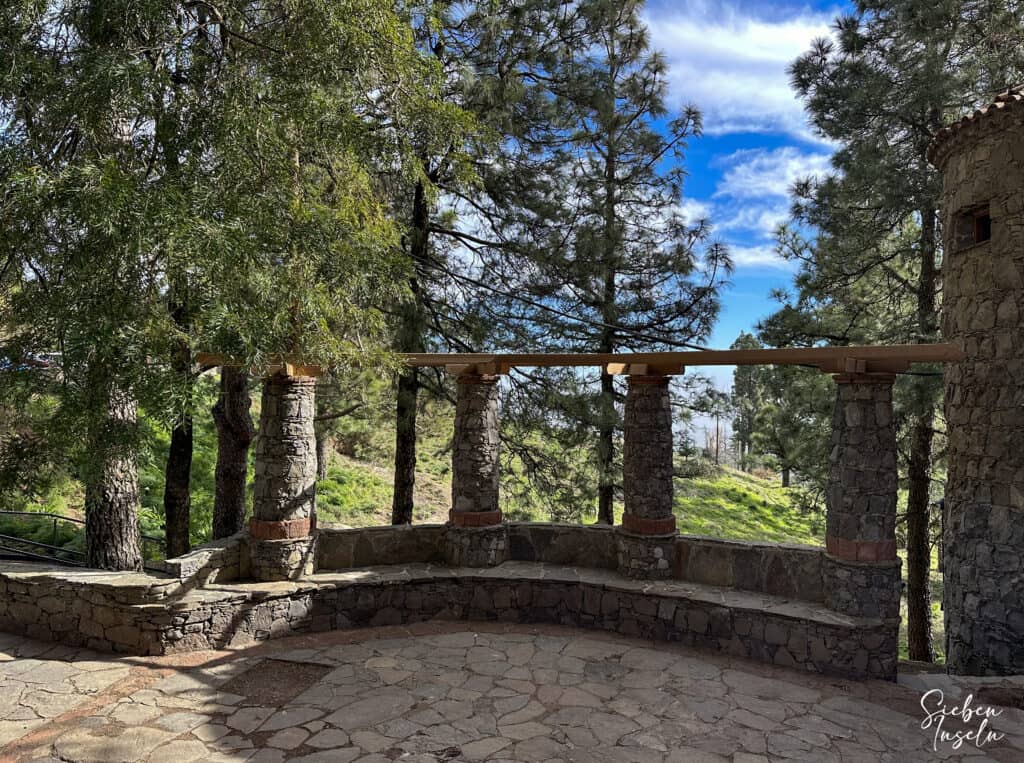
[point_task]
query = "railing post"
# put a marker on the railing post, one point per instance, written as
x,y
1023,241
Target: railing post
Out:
x,y
476,536
284,500
862,570
647,536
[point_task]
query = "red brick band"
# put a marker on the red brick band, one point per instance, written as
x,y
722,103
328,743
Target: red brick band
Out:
x,y
861,550
649,380
643,526
264,529
474,518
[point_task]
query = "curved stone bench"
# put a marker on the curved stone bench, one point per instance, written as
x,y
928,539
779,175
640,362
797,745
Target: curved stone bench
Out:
x,y
759,600
768,628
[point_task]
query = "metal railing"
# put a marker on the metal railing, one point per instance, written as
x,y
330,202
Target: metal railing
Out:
x,y
37,550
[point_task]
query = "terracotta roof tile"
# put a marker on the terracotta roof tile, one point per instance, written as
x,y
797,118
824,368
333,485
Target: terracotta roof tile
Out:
x,y
1008,100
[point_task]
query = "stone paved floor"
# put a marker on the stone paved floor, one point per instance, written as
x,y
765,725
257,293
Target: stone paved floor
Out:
x,y
455,692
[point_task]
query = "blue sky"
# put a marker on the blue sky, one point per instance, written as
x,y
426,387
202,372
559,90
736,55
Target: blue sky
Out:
x,y
729,59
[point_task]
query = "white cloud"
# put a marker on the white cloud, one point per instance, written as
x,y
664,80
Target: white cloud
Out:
x,y
761,256
762,218
693,210
732,65
753,191
755,173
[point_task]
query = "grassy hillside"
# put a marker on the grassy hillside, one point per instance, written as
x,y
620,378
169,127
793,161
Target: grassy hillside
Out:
x,y
733,504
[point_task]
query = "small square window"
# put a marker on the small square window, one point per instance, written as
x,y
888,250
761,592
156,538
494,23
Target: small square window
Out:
x,y
973,226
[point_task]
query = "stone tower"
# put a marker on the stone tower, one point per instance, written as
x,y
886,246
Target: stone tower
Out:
x,y
981,158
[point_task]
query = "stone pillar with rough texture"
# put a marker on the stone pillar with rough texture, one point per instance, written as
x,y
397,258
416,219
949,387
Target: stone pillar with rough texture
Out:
x,y
647,536
284,500
982,163
862,571
476,536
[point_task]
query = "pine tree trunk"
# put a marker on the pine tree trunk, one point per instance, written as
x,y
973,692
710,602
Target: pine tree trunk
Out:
x,y
919,635
178,469
410,339
785,476
609,316
323,453
112,480
405,449
177,493
235,433
606,452
919,631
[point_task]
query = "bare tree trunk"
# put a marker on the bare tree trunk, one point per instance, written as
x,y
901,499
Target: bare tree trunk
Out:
x,y
235,432
112,480
919,614
177,493
606,452
178,469
405,449
323,452
410,339
609,316
785,476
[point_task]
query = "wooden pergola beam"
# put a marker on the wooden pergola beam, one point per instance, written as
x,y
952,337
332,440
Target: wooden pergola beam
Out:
x,y
859,359
869,359
289,366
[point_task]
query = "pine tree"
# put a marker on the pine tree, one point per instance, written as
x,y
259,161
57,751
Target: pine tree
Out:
x,y
488,53
896,73
603,260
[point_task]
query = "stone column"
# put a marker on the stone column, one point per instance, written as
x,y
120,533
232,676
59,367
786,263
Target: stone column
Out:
x,y
284,501
862,571
476,536
982,162
647,537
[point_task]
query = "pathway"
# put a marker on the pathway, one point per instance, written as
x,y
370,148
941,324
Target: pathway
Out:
x,y
457,692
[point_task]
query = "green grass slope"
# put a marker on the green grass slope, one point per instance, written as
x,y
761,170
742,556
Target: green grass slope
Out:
x,y
734,504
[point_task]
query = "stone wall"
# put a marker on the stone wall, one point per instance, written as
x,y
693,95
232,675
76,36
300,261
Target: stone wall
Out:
x,y
108,612
790,634
863,589
567,576
777,569
983,306
219,561
570,545
366,546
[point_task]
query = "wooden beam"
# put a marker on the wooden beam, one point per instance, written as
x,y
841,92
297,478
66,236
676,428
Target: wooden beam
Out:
x,y
828,359
289,367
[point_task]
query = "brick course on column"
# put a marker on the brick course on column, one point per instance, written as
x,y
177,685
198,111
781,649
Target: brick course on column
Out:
x,y
862,571
476,536
982,161
284,493
646,540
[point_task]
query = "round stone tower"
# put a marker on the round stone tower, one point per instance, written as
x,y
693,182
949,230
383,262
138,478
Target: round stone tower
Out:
x,y
981,158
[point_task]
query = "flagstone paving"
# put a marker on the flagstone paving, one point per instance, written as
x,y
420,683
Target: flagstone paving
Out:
x,y
458,692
